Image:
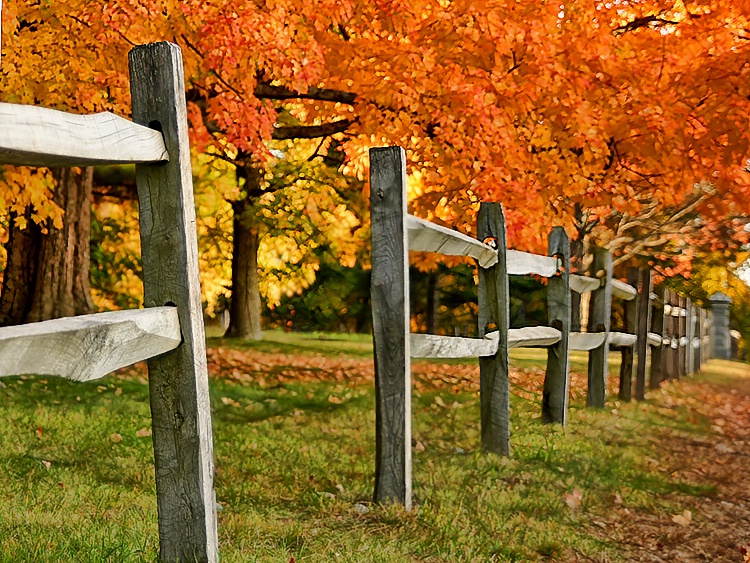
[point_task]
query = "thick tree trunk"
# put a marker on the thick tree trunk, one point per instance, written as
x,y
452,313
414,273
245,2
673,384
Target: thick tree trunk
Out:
x,y
245,308
20,270
47,275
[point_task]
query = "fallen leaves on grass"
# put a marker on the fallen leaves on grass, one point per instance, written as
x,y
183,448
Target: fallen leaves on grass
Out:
x,y
683,519
573,500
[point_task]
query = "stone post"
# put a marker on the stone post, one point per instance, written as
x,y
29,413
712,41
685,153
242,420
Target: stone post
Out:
x,y
721,341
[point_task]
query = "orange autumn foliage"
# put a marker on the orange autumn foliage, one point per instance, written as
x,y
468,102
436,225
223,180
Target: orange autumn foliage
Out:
x,y
611,105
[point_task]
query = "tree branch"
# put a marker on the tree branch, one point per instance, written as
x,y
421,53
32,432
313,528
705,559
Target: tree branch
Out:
x,y
311,131
269,92
644,21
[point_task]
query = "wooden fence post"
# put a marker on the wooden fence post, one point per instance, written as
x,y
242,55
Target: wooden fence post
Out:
x,y
666,360
658,326
494,314
674,340
600,312
644,325
494,309
178,380
631,325
390,322
557,376
690,335
681,336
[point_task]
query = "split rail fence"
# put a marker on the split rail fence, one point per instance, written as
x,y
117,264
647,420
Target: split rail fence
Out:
x,y
678,345
169,332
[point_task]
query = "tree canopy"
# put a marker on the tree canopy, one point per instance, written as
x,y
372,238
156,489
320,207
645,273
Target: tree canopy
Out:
x,y
592,115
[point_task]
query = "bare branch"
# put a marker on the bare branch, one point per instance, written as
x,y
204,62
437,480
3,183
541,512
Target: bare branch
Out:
x,y
311,131
269,92
645,21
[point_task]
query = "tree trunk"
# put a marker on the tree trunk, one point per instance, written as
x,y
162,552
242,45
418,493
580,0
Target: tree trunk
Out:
x,y
245,307
432,302
20,270
47,275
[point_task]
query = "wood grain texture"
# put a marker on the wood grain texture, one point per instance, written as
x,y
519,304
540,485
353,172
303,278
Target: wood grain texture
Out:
x,y
654,339
533,337
429,237
584,284
524,263
624,291
390,320
435,346
600,312
622,339
178,381
630,313
557,376
36,136
657,330
586,341
642,330
90,346
494,310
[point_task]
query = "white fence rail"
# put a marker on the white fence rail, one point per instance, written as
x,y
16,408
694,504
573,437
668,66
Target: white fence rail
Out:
x,y
36,136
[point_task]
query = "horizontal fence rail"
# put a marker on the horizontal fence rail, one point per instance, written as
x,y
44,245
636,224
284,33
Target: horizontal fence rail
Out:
x,y
451,347
35,136
90,346
429,237
584,284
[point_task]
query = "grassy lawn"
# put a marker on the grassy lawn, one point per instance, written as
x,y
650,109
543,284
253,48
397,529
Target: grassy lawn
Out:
x,y
294,455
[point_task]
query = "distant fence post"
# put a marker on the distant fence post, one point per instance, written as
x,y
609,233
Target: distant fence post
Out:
x,y
644,326
600,311
627,354
690,336
494,309
682,337
178,380
721,340
557,376
390,321
656,372
670,333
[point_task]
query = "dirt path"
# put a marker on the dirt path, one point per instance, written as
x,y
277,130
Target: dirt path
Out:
x,y
712,527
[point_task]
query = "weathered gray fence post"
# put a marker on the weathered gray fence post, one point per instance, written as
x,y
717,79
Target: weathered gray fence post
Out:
x,y
682,337
644,326
721,340
674,332
390,322
494,309
658,326
690,335
557,376
627,354
178,380
668,369
600,312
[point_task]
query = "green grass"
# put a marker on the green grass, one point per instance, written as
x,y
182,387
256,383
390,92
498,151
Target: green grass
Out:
x,y
295,471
